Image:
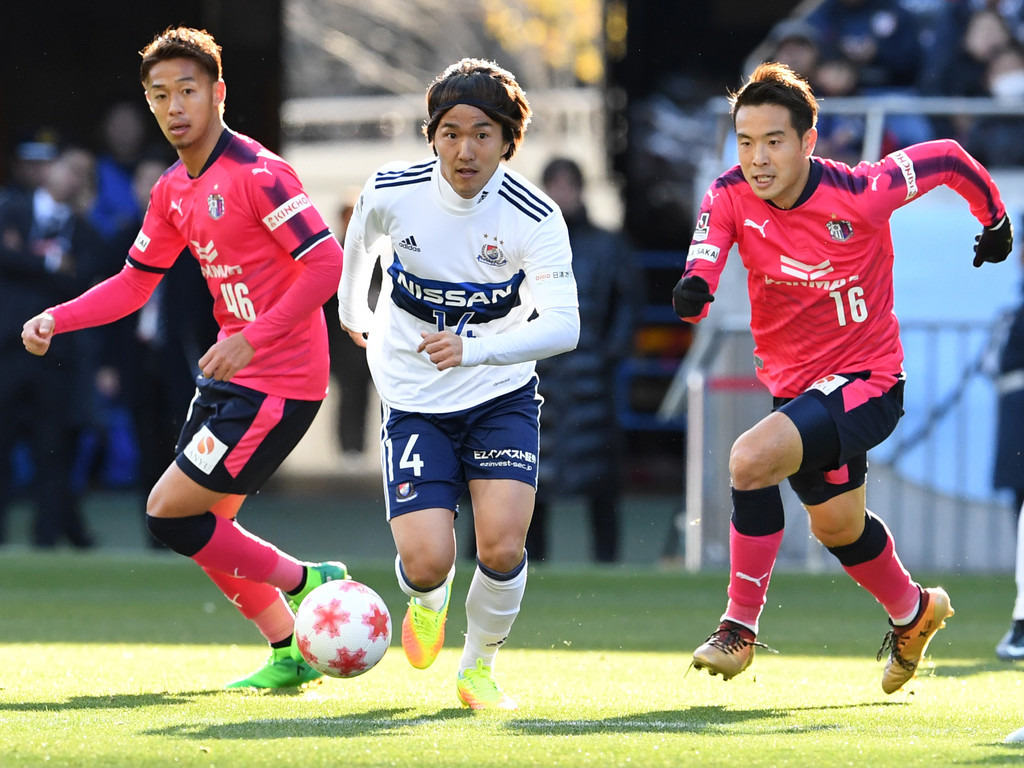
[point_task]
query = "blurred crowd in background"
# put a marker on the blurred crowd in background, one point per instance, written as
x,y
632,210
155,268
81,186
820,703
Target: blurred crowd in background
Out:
x,y
845,48
105,407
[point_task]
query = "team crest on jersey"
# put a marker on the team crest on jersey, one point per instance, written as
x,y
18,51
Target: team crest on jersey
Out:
x,y
841,231
492,255
215,205
405,492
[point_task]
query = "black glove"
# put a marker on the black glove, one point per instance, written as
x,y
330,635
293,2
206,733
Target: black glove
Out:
x,y
690,295
994,243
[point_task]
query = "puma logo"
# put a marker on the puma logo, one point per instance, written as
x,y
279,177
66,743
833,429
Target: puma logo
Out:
x,y
874,182
264,169
176,206
751,579
759,227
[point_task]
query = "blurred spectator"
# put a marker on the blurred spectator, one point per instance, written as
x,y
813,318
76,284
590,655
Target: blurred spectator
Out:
x,y
122,134
152,357
880,42
32,156
580,437
796,44
996,140
348,363
45,248
878,36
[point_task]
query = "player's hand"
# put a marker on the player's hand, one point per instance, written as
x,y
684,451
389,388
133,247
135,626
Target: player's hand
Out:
x,y
444,349
226,358
690,295
359,339
37,333
994,243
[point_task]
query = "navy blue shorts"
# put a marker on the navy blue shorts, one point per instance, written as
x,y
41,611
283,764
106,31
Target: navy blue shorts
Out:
x,y
235,437
429,458
840,418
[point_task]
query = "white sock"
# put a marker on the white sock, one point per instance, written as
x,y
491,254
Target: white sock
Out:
x,y
432,599
1018,606
491,607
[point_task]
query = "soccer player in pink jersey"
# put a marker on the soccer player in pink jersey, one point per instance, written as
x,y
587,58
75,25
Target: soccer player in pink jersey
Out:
x,y
270,262
814,237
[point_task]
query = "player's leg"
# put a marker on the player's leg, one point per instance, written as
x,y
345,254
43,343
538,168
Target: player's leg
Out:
x,y
915,613
234,439
760,458
863,410
502,510
425,567
1011,646
500,459
423,482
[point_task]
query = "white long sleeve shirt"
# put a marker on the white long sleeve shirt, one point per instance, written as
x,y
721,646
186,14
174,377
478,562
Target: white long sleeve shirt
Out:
x,y
478,267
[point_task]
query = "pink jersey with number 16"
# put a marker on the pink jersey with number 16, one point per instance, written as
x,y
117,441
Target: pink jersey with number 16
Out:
x,y
819,274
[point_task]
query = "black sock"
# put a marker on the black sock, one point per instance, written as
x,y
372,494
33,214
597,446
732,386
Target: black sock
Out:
x,y
302,583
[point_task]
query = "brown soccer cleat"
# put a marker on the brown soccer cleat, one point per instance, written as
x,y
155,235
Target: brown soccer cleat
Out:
x,y
728,651
907,645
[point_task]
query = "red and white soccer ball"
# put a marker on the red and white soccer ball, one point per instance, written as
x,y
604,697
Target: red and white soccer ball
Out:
x,y
343,628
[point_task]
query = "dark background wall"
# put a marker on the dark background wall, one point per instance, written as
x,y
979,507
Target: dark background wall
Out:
x,y
62,63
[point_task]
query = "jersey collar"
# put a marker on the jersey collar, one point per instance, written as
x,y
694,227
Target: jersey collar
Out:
x,y
455,203
813,180
222,143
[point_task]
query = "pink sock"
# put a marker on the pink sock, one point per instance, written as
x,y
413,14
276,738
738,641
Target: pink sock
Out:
x,y
234,551
888,582
262,604
752,559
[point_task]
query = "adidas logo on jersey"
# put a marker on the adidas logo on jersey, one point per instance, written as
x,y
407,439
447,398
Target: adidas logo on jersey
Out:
x,y
409,244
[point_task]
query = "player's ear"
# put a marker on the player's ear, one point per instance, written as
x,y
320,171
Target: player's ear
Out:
x,y
809,140
220,92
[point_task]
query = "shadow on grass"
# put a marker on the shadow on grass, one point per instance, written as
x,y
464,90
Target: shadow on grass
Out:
x,y
1009,754
394,720
111,701
966,669
693,719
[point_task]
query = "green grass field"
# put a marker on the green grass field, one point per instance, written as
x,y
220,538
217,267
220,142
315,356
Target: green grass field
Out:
x,y
119,661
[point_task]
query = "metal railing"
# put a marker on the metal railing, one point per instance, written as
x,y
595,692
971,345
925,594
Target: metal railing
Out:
x,y
916,482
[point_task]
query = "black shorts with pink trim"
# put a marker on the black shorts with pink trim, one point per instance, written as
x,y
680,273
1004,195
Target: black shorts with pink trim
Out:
x,y
235,438
840,418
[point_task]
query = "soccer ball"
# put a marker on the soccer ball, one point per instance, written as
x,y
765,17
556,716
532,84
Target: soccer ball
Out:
x,y
342,628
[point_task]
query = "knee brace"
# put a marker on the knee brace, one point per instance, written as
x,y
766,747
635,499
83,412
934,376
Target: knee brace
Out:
x,y
185,535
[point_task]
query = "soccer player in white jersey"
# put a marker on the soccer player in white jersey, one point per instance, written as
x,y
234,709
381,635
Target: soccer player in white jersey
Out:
x,y
476,250
814,237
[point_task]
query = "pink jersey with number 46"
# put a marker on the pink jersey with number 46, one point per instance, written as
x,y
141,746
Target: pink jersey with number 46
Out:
x,y
251,227
820,273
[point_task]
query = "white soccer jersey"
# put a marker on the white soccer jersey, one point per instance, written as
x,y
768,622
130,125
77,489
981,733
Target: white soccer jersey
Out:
x,y
476,267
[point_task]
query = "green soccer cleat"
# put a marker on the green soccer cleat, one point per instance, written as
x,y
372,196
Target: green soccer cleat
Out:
x,y
317,575
423,631
477,690
280,671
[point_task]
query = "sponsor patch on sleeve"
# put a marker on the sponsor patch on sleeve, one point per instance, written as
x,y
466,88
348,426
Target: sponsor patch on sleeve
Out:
x,y
703,252
555,274
906,166
142,241
286,210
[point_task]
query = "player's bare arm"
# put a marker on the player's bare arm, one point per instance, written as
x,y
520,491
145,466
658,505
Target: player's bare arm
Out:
x,y
226,358
37,333
443,348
